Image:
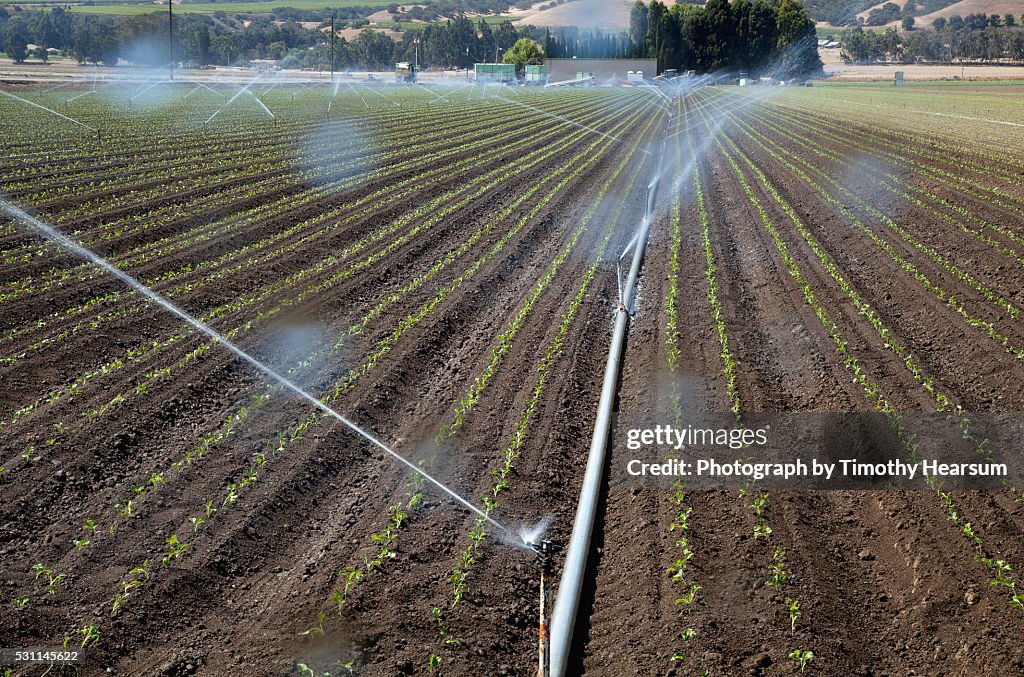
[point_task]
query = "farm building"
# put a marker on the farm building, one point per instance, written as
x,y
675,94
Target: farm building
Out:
x,y
494,72
537,74
601,69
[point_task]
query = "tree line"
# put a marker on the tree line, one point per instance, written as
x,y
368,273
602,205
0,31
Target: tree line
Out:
x,y
754,35
224,39
976,38
758,36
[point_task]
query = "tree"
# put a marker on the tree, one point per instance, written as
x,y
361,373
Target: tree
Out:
x,y
663,36
195,40
44,31
463,39
486,43
638,27
908,23
687,19
226,47
1010,20
16,39
939,24
95,41
524,53
669,54
652,41
506,35
713,36
763,35
797,43
372,49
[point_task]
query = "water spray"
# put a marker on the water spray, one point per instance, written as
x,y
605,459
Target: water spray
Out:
x,y
142,91
567,121
18,215
360,96
50,110
563,614
79,96
243,90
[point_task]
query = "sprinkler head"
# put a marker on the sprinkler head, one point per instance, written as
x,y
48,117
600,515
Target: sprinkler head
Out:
x,y
545,551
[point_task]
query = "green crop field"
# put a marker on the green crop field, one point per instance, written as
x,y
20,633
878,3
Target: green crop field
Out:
x,y
297,372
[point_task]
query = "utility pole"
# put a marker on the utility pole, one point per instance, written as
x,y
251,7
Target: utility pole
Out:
x,y
170,37
332,47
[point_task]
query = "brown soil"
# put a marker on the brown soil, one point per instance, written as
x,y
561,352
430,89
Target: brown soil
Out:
x,y
887,585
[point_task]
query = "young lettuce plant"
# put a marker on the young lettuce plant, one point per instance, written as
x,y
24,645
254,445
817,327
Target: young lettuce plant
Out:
x,y
175,549
802,657
318,629
90,633
52,578
794,612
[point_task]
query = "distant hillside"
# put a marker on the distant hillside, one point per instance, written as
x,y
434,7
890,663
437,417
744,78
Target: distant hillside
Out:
x,y
891,12
612,14
965,7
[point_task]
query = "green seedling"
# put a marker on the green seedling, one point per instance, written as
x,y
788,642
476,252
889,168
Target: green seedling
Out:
x,y
127,508
119,598
794,612
352,577
691,595
80,543
318,629
762,530
778,572
90,633
175,549
434,664
759,504
52,579
1017,601
446,636
802,657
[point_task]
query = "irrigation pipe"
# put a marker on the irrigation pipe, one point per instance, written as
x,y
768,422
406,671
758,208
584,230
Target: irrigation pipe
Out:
x,y
563,616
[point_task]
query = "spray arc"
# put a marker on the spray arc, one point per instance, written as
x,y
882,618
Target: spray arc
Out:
x,y
64,242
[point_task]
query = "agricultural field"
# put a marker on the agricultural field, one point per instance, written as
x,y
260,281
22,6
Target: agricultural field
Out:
x,y
438,266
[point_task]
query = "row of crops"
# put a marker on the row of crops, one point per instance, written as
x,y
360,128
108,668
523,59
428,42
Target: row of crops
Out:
x,y
419,200
439,265
863,220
